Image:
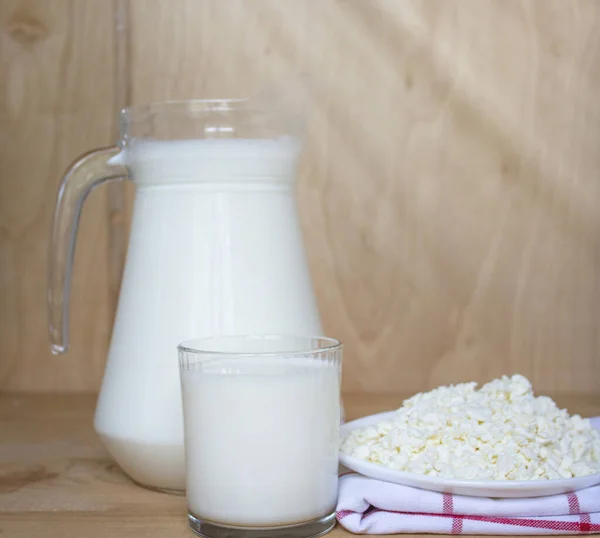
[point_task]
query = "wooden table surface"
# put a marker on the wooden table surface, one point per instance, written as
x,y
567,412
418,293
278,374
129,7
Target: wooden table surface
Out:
x,y
57,481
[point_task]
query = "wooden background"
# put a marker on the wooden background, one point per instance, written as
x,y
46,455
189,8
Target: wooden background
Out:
x,y
450,190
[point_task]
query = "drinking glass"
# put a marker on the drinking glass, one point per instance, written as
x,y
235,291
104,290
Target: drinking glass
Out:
x,y
261,423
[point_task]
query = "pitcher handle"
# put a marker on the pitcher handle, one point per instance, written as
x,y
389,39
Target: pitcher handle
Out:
x,y
84,175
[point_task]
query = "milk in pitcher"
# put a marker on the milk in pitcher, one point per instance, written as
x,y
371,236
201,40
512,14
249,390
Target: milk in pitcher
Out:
x,y
215,248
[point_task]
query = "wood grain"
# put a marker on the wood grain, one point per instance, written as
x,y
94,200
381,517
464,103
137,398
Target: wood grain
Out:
x,y
449,192
56,95
57,481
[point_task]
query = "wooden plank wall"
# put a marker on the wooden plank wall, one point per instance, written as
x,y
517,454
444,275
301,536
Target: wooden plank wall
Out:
x,y
56,101
449,193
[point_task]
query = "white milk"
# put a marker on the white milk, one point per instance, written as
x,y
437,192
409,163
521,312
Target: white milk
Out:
x,y
215,248
262,440
159,465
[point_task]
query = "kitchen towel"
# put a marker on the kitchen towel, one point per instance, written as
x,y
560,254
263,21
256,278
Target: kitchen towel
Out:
x,y
369,506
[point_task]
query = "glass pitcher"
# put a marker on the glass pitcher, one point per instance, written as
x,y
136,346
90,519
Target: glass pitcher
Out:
x,y
215,248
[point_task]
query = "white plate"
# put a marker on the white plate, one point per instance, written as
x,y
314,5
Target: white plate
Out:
x,y
475,488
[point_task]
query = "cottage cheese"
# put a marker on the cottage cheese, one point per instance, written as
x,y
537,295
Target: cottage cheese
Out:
x,y
499,432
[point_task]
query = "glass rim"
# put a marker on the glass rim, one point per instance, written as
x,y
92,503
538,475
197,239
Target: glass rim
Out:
x,y
140,112
192,346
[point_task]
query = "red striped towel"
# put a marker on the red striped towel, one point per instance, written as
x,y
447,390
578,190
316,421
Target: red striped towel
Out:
x,y
369,506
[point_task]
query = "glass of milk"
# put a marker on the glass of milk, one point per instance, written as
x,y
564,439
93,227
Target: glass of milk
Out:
x,y
261,423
